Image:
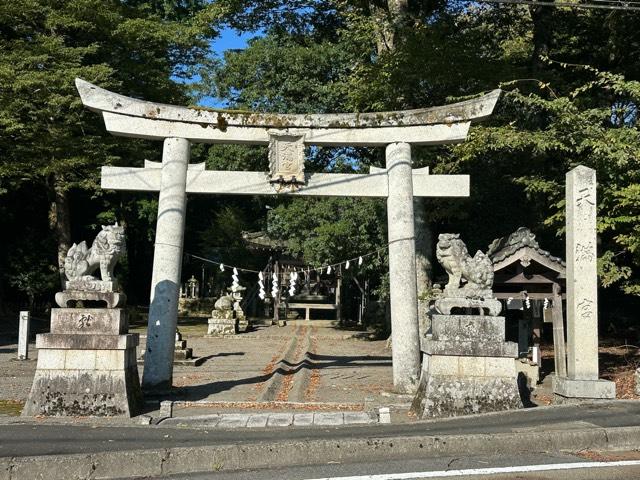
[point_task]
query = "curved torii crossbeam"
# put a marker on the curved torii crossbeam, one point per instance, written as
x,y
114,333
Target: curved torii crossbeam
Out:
x,y
141,119
287,135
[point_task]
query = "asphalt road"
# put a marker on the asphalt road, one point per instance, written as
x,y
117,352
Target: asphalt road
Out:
x,y
18,440
438,468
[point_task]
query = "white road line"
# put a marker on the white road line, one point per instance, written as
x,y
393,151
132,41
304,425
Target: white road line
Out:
x,y
487,471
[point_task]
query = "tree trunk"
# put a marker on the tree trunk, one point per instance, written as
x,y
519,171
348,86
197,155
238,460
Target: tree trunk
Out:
x,y
424,255
392,23
60,222
542,31
424,249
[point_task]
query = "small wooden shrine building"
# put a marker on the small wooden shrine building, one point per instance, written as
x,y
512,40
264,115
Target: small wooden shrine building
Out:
x,y
530,283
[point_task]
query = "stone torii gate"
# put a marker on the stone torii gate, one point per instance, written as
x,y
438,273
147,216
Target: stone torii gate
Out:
x,y
286,136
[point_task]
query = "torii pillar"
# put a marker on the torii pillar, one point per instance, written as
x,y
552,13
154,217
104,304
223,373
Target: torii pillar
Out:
x,y
287,137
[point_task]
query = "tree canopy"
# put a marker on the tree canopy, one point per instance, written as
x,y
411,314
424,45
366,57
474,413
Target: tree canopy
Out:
x,y
571,90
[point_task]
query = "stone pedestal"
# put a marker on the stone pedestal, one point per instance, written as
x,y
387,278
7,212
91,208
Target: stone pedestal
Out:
x,y
221,323
242,324
569,390
467,368
181,352
86,366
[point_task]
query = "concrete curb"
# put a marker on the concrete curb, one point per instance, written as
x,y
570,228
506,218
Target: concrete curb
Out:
x,y
182,460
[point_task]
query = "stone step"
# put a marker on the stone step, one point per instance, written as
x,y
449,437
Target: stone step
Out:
x,y
270,420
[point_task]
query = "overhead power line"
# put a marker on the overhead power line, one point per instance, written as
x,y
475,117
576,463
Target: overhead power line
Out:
x,y
626,5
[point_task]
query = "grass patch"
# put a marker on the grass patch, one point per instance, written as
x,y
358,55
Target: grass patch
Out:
x,y
11,408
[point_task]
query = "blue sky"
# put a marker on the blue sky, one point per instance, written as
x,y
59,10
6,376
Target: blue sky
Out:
x,y
229,39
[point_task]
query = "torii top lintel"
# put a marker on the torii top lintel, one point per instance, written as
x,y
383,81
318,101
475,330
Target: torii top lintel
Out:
x,y
141,119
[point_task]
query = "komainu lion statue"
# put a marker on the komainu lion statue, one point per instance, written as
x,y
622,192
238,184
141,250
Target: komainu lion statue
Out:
x,y
106,250
452,254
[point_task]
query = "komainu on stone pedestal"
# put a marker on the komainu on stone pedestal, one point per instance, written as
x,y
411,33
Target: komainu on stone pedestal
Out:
x,y
87,364
467,366
228,318
470,278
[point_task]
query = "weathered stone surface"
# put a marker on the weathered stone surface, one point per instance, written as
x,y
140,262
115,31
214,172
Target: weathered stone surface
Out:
x,y
355,418
85,392
328,418
286,159
92,285
477,271
490,306
582,291
582,275
448,396
258,420
182,354
402,269
280,420
79,341
365,137
467,367
470,279
219,182
69,298
303,419
221,326
104,254
233,421
101,100
467,327
637,379
89,321
584,389
472,348
167,264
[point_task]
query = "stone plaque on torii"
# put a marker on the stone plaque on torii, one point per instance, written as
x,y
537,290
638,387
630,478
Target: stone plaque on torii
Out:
x,y
286,135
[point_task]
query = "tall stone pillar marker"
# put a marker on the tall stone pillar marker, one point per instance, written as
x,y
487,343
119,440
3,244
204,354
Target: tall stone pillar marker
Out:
x,y
582,380
167,265
23,335
405,336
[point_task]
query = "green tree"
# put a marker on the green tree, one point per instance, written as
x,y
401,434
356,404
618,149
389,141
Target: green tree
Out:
x,y
49,144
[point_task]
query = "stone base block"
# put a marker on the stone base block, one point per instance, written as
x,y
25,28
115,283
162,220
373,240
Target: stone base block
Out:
x,y
89,321
69,298
567,388
80,341
182,354
471,348
71,382
450,396
491,306
243,325
467,327
221,326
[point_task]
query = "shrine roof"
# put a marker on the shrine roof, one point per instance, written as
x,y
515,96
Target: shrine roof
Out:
x,y
262,241
522,246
